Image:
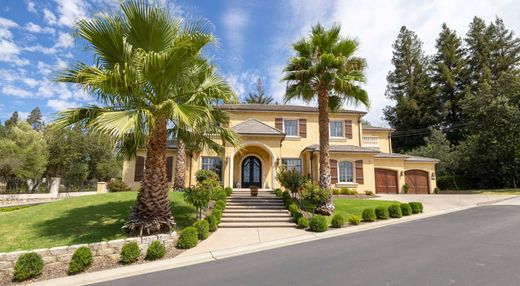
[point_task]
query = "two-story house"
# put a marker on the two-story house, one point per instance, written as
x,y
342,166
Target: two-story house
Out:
x,y
287,135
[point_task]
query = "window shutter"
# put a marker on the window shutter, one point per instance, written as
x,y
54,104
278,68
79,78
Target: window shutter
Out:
x,y
303,127
169,168
359,172
139,168
333,171
348,129
278,123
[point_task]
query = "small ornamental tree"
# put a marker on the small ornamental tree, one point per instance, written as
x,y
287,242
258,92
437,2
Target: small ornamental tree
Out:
x,y
314,195
198,197
291,180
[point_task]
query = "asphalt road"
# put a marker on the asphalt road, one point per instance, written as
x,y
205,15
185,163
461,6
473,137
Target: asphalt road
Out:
x,y
479,246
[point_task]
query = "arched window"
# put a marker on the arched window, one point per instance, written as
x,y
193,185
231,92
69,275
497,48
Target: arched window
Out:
x,y
345,172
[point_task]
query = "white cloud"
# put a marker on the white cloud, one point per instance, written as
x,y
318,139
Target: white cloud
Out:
x,y
31,7
59,105
6,23
49,17
70,11
15,91
35,28
235,21
65,40
31,82
242,83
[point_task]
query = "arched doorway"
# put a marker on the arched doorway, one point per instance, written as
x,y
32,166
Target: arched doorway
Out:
x,y
251,172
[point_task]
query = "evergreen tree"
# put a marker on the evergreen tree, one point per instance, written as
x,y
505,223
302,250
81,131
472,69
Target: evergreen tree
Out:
x,y
13,121
35,119
504,49
259,96
449,68
478,52
409,85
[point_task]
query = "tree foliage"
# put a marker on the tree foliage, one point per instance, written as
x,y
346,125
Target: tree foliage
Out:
x,y
259,96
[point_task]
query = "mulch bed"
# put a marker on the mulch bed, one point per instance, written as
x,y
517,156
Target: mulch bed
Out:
x,y
59,269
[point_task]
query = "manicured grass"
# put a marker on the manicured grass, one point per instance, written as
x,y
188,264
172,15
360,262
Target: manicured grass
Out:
x,y
346,207
77,220
484,192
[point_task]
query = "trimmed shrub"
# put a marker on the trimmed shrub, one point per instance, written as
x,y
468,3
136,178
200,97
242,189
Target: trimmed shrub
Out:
x,y
228,191
116,186
203,175
337,221
155,251
314,195
406,209
188,238
130,252
296,216
28,266
293,208
81,260
336,191
219,194
278,192
347,191
202,227
394,211
217,214
406,188
303,222
369,215
318,223
369,193
417,207
381,213
212,223
354,219
221,205
286,197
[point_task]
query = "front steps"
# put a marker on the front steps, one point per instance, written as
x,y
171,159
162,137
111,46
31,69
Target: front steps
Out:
x,y
244,211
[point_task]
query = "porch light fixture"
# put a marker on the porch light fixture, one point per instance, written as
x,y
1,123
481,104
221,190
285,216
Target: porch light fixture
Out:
x,y
433,176
277,161
401,173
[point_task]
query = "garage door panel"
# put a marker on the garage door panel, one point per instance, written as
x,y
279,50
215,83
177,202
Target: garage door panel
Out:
x,y
386,181
417,181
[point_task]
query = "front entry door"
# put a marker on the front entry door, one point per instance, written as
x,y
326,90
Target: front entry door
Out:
x,y
251,172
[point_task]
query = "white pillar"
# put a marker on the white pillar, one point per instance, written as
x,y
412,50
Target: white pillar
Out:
x,y
231,157
101,188
273,171
55,186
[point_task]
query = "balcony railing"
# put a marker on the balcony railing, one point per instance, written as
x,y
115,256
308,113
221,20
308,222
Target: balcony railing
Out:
x,y
370,141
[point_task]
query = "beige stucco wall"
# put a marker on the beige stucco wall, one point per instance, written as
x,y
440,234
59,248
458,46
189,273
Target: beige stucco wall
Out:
x,y
382,139
368,170
129,169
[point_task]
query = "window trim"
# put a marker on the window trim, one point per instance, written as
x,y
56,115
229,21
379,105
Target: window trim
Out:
x,y
297,126
352,163
342,124
221,165
294,158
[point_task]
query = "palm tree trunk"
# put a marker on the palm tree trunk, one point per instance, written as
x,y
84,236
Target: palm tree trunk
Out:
x,y
180,167
152,212
324,179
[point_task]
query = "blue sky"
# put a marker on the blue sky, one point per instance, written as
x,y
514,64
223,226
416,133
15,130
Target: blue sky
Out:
x,y
254,40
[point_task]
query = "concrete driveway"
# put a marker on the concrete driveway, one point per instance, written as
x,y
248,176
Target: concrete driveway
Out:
x,y
439,202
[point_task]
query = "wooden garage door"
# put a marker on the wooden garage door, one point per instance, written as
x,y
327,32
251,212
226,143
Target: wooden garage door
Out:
x,y
417,181
386,181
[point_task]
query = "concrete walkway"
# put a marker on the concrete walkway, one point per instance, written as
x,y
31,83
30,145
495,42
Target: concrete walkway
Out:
x,y
433,203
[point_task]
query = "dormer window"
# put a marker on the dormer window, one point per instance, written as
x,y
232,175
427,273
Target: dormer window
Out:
x,y
336,129
290,127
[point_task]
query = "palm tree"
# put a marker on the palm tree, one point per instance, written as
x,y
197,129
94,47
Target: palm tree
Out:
x,y
326,68
259,97
144,79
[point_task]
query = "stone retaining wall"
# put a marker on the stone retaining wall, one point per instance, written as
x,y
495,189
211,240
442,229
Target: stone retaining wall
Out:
x,y
109,249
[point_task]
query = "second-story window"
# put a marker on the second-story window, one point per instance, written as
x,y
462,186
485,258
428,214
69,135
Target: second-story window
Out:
x,y
336,129
290,127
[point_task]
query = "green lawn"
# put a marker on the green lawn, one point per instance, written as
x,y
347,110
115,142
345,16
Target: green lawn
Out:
x,y
346,207
77,220
484,192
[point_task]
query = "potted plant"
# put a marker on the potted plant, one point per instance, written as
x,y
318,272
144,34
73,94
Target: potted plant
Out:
x,y
254,191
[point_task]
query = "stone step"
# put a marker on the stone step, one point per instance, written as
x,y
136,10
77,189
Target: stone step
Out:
x,y
263,207
258,203
256,214
256,224
253,210
256,219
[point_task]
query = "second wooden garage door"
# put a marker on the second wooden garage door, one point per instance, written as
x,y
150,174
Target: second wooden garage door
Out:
x,y
417,181
386,181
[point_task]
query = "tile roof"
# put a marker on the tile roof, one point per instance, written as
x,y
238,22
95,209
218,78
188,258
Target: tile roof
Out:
x,y
278,107
343,148
406,157
253,126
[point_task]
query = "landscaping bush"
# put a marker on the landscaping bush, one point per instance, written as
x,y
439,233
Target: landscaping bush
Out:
x,y
318,223
278,192
369,193
406,188
417,207
336,191
202,227
217,214
204,175
219,194
394,211
406,209
81,260
381,213
337,221
293,208
297,215
155,251
228,191
303,222
369,215
286,197
130,252
291,180
28,266
188,238
354,219
347,191
198,197
212,222
116,186
314,195
221,205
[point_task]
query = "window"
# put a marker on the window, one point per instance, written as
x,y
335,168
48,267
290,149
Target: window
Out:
x,y
214,164
336,129
345,172
290,127
293,164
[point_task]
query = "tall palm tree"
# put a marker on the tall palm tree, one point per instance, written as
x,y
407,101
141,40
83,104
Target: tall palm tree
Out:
x,y
325,68
143,79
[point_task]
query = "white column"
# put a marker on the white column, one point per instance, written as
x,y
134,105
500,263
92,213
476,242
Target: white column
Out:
x,y
273,171
231,169
101,188
55,186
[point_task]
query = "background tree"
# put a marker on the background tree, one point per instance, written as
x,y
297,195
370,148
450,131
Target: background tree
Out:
x,y
144,81
23,156
409,85
12,121
259,96
325,68
35,119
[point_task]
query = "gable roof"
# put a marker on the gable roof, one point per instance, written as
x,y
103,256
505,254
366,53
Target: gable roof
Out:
x,y
256,127
406,157
278,107
342,148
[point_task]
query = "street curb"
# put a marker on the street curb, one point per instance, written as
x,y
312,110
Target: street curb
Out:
x,y
181,261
